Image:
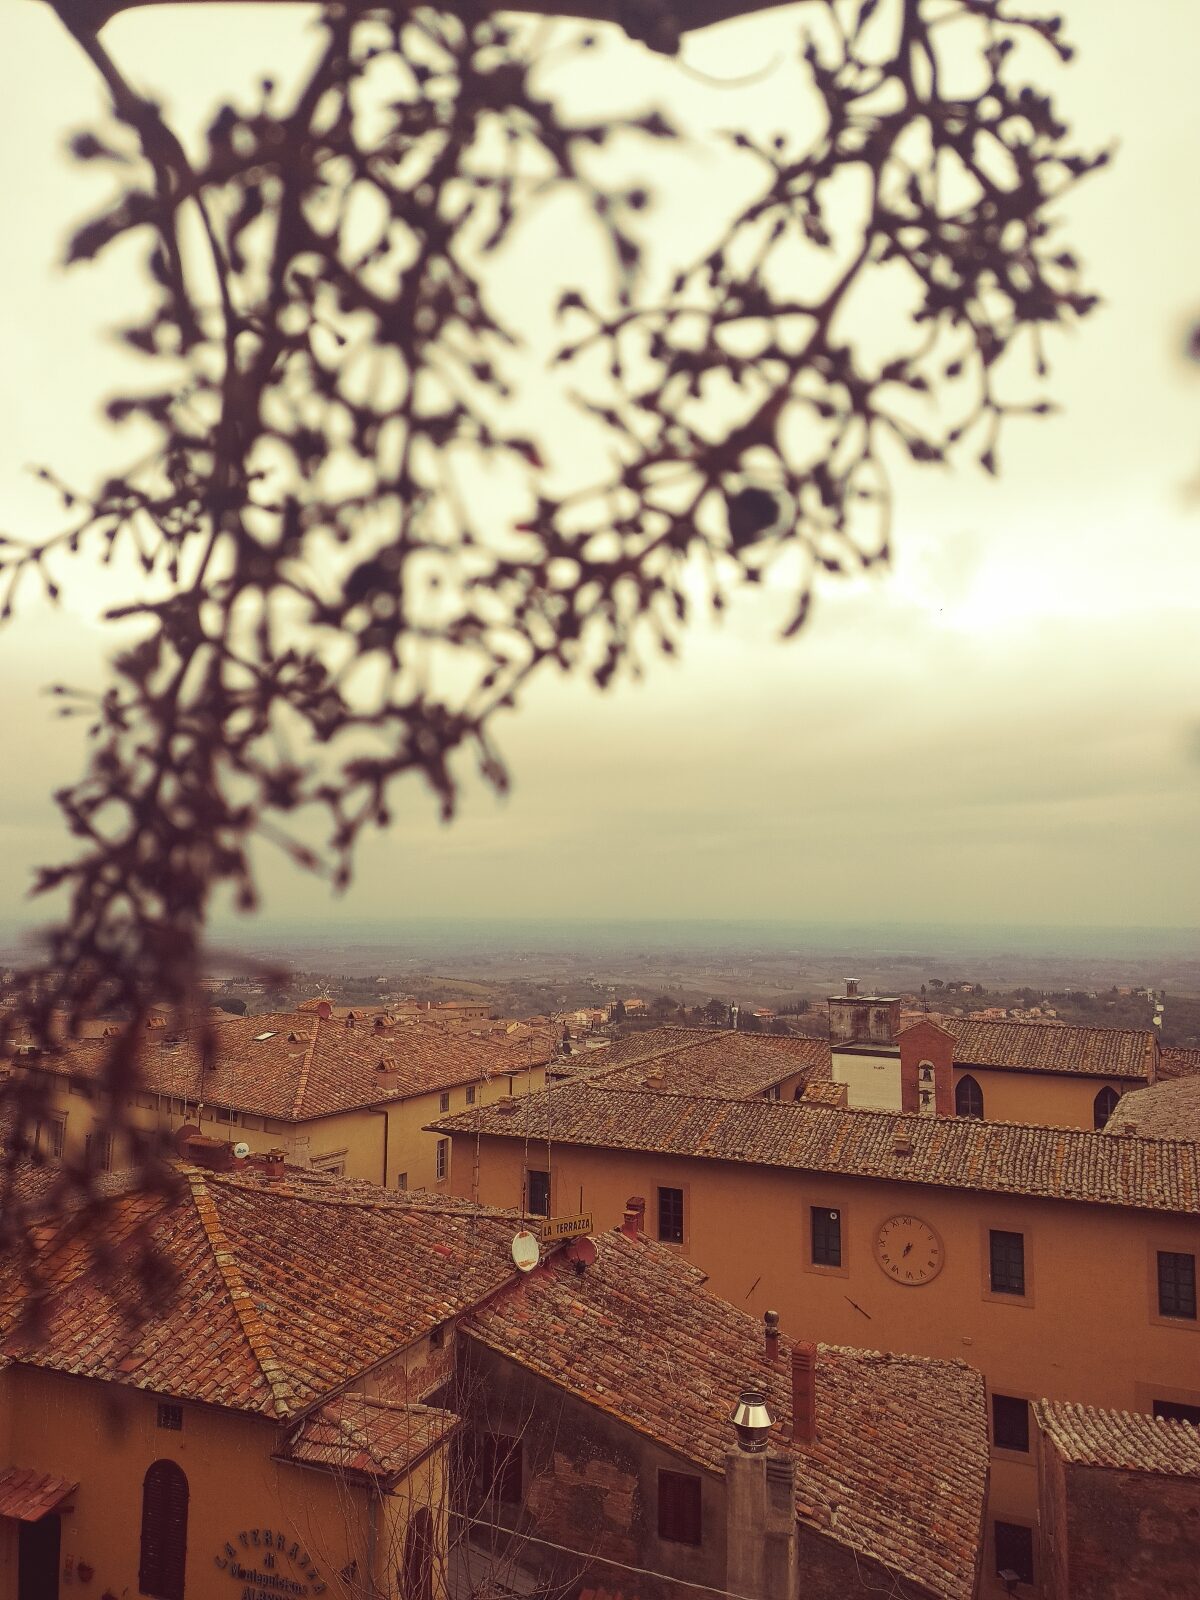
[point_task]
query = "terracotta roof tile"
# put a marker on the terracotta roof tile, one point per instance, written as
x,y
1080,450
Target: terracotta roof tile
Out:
x,y
730,1066
358,1433
1128,1441
285,1289
1053,1047
28,1495
1167,1110
291,1067
899,1466
958,1153
1175,1062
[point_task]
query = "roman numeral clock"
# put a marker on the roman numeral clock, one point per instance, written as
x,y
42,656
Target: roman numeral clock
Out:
x,y
909,1251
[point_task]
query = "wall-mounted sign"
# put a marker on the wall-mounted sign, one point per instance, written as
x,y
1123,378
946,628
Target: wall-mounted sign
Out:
x,y
566,1227
269,1566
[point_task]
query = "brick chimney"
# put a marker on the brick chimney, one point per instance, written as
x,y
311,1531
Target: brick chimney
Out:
x,y
804,1392
760,1525
635,1214
213,1154
771,1335
927,1070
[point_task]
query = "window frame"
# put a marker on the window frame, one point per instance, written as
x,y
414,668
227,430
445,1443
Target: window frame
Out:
x,y
530,1174
470,1094
170,1416
839,1266
1173,1319
680,1523
998,1565
1007,1297
1016,1452
443,1102
1104,1089
441,1160
163,1575
969,1078
670,1189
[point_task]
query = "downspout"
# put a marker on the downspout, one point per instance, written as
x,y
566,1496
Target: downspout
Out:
x,y
372,1588
385,1116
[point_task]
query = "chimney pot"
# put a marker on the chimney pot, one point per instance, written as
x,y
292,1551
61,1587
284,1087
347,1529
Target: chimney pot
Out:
x,y
752,1422
851,987
804,1392
771,1335
635,1211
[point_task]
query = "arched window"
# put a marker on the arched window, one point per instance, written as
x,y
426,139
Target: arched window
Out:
x,y
416,1581
164,1531
968,1098
1104,1105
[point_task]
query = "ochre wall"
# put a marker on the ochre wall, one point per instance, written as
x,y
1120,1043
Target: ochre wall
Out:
x,y
1086,1330
106,1436
1049,1099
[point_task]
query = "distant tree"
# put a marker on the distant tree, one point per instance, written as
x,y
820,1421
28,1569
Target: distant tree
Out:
x,y
617,1014
234,1004
663,1007
778,1025
717,1012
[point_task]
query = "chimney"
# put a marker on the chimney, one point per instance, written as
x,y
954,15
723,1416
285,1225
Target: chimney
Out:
x,y
635,1211
851,988
771,1335
760,1525
269,1163
804,1392
213,1154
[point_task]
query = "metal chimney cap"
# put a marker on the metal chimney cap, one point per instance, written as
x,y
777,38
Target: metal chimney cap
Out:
x,y
752,1422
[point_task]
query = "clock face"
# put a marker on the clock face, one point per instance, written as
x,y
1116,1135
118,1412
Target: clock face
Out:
x,y
908,1250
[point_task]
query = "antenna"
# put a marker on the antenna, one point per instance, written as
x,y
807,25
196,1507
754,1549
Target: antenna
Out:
x,y
526,1251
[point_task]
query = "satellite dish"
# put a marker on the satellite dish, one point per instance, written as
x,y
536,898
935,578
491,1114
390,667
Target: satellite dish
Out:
x,y
241,1149
581,1251
526,1251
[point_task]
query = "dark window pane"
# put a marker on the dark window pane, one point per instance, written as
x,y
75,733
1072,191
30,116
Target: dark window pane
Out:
x,y
1014,1550
497,1465
826,1237
539,1194
1008,1262
679,1507
164,1531
1176,1284
1176,1411
1104,1105
1010,1422
968,1098
170,1417
670,1215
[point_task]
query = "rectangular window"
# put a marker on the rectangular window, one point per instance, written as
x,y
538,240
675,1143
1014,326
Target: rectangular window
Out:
x,y
497,1466
1176,1284
539,1193
97,1151
1010,1422
1014,1552
1007,1263
1176,1411
679,1507
670,1216
470,1094
402,1181
443,1153
826,1237
50,1138
443,1102
170,1417
772,1093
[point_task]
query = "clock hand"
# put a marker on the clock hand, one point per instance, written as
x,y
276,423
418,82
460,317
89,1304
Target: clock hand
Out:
x,y
906,1249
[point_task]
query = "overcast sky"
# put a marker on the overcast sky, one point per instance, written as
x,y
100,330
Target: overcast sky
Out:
x,y
1003,728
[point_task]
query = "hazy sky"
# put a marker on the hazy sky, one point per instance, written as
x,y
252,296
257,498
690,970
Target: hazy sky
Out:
x,y
1003,728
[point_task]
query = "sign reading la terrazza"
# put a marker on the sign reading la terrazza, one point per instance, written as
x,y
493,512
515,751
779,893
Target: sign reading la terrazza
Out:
x,y
269,1566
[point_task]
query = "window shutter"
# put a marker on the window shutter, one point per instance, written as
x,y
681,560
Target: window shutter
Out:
x,y
164,1531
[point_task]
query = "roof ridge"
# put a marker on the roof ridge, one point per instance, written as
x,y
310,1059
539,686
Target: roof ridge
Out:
x,y
253,1328
302,1085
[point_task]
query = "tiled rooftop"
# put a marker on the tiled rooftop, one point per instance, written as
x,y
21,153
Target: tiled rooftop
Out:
x,y
297,1065
957,1153
357,1433
1053,1047
1166,1110
899,1465
286,1288
1178,1062
1127,1441
728,1065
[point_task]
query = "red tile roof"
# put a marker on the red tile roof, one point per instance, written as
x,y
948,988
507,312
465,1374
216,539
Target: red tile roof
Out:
x,y
28,1495
358,1433
957,1153
1166,1110
1053,1047
290,1067
1176,1062
731,1066
1126,1441
898,1470
285,1289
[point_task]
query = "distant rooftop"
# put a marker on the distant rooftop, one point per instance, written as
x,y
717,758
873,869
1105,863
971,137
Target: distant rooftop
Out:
x,y
1127,1441
1051,1047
